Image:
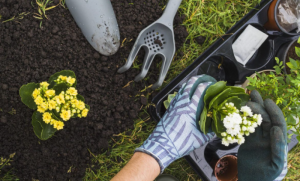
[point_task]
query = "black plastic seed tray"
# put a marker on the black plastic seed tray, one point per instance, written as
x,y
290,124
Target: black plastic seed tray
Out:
x,y
218,61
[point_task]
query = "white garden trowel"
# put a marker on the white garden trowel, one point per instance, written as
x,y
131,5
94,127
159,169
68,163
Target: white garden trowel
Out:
x,y
98,23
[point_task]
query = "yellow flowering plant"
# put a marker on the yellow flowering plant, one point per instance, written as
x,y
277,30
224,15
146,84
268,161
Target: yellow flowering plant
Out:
x,y
55,102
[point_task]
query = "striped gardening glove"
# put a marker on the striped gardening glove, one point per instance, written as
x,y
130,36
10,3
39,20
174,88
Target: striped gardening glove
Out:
x,y
177,133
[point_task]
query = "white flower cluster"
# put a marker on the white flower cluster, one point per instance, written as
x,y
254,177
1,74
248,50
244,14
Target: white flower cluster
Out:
x,y
238,123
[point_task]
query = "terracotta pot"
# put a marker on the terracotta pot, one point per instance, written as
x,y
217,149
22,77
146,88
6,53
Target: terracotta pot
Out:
x,y
271,24
246,83
226,168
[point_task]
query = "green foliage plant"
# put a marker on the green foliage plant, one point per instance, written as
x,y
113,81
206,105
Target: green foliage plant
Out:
x,y
215,99
283,89
54,102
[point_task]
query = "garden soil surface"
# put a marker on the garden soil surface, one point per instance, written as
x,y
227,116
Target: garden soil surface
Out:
x,y
29,53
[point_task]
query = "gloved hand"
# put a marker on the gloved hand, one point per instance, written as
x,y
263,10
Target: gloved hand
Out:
x,y
176,135
263,155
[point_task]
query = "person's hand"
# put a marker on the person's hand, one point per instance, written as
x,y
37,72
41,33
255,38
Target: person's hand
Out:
x,y
177,133
264,153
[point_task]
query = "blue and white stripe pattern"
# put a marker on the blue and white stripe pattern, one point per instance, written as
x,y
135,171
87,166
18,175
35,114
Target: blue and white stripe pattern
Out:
x,y
176,135
285,169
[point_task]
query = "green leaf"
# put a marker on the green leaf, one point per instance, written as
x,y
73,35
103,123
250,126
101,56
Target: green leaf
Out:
x,y
297,50
60,87
42,130
205,122
168,101
234,99
214,90
214,128
215,102
26,94
291,120
277,60
243,97
218,122
298,40
294,63
81,98
87,106
166,104
67,73
250,87
219,98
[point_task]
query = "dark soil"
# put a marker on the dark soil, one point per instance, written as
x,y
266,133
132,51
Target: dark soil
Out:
x,y
29,53
291,54
221,167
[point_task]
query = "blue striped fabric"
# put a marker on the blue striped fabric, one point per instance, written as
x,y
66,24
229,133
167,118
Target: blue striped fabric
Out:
x,y
176,135
285,169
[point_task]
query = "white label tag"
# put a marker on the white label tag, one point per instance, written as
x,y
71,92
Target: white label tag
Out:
x,y
247,44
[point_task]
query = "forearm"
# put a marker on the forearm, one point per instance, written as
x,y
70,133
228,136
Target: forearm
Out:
x,y
141,167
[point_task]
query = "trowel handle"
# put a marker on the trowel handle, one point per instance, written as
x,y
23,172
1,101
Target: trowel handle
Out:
x,y
170,12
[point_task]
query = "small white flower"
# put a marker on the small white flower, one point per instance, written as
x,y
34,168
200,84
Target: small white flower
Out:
x,y
254,125
244,128
231,104
234,130
249,123
241,140
240,136
247,111
247,133
251,129
224,134
225,142
245,122
258,118
229,138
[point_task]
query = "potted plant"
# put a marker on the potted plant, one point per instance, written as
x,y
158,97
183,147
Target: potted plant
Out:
x,y
282,88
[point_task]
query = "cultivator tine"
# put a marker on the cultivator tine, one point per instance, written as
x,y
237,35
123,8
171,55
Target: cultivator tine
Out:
x,y
146,65
136,48
163,71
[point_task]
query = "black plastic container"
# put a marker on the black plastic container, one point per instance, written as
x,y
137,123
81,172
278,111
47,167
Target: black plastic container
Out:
x,y
218,61
283,51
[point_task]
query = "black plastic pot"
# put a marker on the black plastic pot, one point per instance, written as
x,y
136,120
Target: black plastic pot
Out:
x,y
219,61
283,51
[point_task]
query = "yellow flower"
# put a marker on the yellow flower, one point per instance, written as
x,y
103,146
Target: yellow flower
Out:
x,y
74,101
56,98
35,93
61,98
80,105
50,93
63,78
44,84
59,125
52,104
40,109
52,121
65,115
47,117
72,91
84,112
39,100
71,80
44,105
